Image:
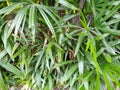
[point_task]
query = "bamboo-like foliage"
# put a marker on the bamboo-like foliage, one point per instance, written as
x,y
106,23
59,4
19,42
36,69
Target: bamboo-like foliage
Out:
x,y
60,44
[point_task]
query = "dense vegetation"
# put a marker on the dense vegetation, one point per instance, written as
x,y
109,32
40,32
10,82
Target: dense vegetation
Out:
x,y
60,44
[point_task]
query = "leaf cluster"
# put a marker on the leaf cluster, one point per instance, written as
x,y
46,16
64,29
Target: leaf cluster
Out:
x,y
64,44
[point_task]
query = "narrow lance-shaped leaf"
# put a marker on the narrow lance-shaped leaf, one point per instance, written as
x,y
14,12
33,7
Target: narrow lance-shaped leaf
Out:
x,y
10,8
78,44
112,12
49,51
98,81
18,20
39,58
110,31
52,16
3,53
4,35
12,69
85,79
93,62
32,20
80,64
113,21
2,83
94,54
108,57
108,47
112,76
67,4
102,10
50,82
69,73
100,37
63,63
15,47
7,44
46,19
19,51
107,80
22,28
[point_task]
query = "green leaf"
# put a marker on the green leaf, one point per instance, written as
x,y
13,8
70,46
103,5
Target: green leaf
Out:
x,y
46,19
93,62
115,42
112,12
2,83
49,12
78,45
80,64
69,73
108,57
109,86
98,81
10,8
110,31
19,51
4,35
100,52
100,37
38,79
114,2
60,55
41,53
63,63
32,20
67,4
8,45
113,21
69,17
18,21
102,10
85,79
15,47
50,82
108,47
112,76
2,54
12,69
58,46
90,58
81,67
